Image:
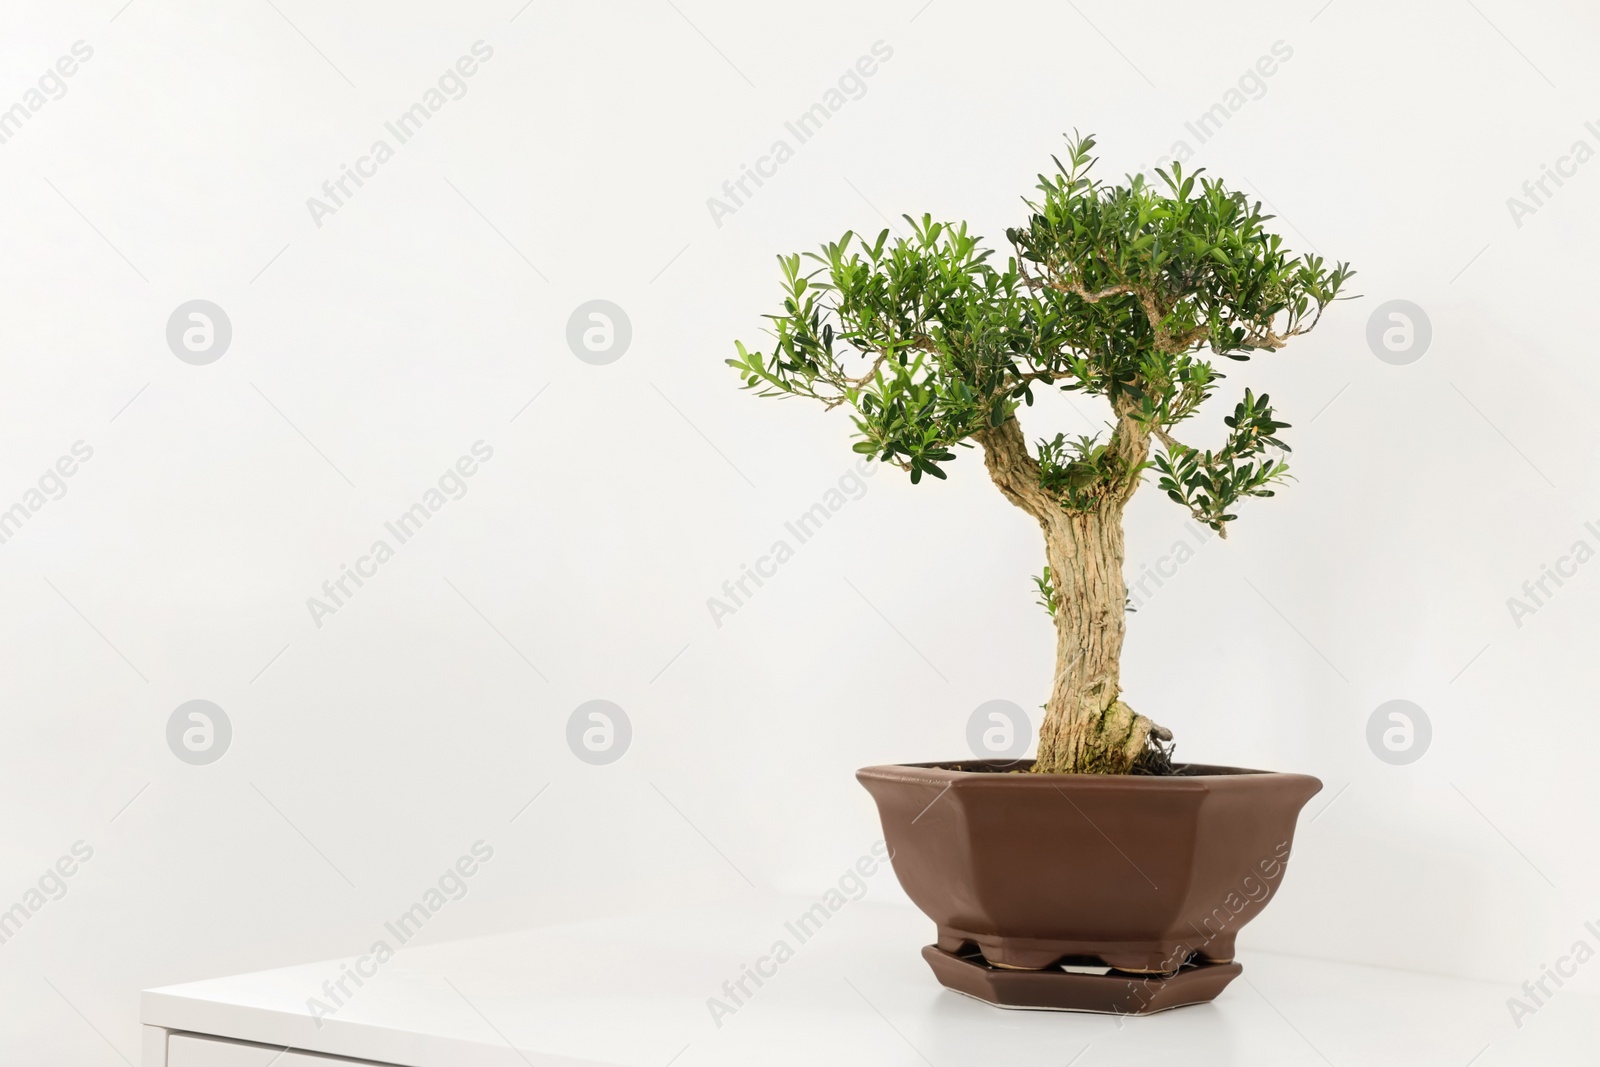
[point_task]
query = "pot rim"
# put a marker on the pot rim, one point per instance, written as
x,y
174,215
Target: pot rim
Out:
x,y
1212,776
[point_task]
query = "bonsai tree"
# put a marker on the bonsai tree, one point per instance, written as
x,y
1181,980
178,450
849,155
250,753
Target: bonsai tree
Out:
x,y
1116,291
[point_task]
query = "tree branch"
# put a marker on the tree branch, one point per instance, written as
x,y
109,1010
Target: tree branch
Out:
x,y
1014,470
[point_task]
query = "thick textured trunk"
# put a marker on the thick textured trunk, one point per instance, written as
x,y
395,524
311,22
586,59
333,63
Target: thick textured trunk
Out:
x,y
1087,729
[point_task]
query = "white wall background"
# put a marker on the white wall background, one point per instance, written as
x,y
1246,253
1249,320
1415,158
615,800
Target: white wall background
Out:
x,y
369,353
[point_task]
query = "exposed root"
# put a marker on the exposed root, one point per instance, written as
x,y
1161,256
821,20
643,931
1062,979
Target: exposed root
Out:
x,y
1156,759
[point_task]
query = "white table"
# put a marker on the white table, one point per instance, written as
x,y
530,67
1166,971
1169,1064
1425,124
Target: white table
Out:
x,y
633,993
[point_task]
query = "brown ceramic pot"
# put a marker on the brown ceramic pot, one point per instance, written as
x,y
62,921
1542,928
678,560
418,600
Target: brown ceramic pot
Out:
x,y
1147,875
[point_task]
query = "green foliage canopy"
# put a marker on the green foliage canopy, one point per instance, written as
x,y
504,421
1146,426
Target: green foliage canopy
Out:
x,y
1118,291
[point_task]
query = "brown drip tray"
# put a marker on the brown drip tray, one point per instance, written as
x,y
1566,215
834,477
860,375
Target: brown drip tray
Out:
x,y
1052,989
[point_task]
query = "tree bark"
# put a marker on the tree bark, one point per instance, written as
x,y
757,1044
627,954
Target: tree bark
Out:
x,y
1087,729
